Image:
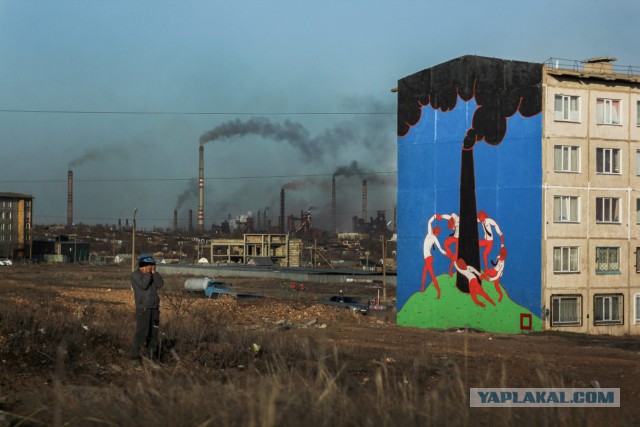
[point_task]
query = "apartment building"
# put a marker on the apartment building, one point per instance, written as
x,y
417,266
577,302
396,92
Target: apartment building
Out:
x,y
518,196
591,163
15,225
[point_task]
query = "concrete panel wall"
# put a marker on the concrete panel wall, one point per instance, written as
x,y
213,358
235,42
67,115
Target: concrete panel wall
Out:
x,y
296,275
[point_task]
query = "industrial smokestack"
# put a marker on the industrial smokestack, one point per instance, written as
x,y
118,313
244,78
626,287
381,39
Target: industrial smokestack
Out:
x,y
282,210
395,219
364,200
190,220
333,204
201,189
175,220
70,198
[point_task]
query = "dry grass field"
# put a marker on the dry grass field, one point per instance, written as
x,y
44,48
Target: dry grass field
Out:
x,y
280,361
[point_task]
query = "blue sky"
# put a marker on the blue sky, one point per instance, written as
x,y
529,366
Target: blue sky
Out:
x,y
273,59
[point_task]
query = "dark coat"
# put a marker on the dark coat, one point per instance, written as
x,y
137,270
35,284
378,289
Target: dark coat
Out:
x,y
145,289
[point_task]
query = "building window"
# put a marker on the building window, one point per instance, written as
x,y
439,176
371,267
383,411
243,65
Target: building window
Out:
x,y
607,260
607,309
608,111
566,310
567,108
566,158
608,160
637,308
637,260
565,209
638,113
608,210
565,259
637,211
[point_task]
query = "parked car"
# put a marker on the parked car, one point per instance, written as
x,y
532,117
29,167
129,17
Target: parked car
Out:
x,y
346,302
218,290
6,261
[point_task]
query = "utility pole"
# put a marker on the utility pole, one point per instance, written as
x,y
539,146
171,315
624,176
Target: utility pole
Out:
x,y
384,268
133,242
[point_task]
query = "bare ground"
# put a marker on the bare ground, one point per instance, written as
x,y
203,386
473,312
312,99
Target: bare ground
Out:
x,y
67,328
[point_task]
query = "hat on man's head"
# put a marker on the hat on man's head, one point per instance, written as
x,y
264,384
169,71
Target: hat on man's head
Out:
x,y
145,260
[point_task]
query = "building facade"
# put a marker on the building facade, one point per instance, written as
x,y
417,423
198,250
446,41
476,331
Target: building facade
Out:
x,y
517,196
591,163
15,225
280,248
61,250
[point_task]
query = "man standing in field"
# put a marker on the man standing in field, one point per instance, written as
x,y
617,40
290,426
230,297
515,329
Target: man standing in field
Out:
x,y
145,282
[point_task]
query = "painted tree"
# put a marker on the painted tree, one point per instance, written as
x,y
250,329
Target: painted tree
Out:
x,y
501,88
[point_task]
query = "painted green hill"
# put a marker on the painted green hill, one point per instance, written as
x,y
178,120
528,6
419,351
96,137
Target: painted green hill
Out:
x,y
455,309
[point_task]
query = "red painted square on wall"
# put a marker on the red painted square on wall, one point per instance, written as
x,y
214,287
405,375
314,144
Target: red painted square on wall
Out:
x,y
526,321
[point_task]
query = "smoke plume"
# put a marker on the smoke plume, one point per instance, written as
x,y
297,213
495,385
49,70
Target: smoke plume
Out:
x,y
294,133
96,154
355,170
190,191
366,131
367,134
300,184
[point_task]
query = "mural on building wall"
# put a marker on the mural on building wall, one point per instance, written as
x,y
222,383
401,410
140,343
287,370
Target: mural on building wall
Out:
x,y
469,195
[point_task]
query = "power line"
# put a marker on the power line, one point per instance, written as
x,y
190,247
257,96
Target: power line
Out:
x,y
219,178
199,113
138,218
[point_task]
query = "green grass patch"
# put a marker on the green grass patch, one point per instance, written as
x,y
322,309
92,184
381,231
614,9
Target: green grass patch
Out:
x,y
455,309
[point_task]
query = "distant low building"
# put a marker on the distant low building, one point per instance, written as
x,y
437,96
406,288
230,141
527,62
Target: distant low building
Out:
x,y
279,248
58,251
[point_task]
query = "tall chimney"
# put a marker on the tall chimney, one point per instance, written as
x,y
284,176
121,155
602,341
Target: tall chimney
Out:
x,y
259,225
395,219
70,198
175,220
282,210
266,224
364,200
201,189
190,220
333,204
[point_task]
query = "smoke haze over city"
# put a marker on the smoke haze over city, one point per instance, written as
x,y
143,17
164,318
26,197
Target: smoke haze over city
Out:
x,y
281,95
